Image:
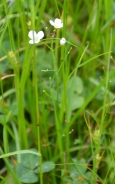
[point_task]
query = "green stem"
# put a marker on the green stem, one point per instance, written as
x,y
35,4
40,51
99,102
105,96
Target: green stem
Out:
x,y
36,112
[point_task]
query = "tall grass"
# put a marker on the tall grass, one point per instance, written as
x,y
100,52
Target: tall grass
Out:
x,y
57,101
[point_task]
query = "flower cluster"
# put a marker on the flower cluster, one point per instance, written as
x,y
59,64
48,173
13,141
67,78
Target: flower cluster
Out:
x,y
36,37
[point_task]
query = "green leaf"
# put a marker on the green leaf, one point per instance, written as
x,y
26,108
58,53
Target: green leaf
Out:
x,y
74,89
2,119
78,172
30,161
68,180
3,180
78,169
76,102
44,62
12,106
76,83
5,64
46,167
25,175
20,152
89,176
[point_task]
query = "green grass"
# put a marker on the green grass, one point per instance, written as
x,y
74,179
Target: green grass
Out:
x,y
57,102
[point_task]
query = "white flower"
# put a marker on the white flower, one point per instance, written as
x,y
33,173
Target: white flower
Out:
x,y
57,23
35,37
62,41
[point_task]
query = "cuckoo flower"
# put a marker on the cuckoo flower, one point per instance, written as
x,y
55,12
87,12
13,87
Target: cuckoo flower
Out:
x,y
35,37
57,23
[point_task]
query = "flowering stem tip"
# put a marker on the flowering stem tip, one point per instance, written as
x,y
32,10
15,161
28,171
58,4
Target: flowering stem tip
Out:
x,y
35,37
57,23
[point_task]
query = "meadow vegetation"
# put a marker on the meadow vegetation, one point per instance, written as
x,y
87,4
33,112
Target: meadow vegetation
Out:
x,y
57,91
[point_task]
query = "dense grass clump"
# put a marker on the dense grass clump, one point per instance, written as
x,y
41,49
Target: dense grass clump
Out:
x,y
57,86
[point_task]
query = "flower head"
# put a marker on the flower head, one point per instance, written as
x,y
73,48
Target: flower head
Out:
x,y
35,37
62,41
57,23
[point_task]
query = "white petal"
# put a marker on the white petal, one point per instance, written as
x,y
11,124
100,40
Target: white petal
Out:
x,y
52,23
40,35
61,25
32,34
31,41
62,41
58,26
57,21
